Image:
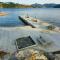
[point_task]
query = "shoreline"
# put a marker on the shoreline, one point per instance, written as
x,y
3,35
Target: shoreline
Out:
x,y
3,13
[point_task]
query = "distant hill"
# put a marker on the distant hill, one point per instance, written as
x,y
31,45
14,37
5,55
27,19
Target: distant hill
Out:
x,y
49,5
52,5
57,6
36,5
13,5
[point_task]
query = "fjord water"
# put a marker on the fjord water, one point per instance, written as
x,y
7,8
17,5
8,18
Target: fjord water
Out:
x,y
51,15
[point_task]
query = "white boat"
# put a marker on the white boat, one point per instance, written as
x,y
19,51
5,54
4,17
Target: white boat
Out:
x,y
36,23
49,34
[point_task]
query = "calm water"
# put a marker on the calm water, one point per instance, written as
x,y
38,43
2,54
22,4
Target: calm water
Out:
x,y
51,15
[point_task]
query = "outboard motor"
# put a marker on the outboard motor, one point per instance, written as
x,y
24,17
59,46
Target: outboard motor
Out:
x,y
50,27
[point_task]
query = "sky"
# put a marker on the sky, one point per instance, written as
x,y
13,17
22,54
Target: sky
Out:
x,y
32,1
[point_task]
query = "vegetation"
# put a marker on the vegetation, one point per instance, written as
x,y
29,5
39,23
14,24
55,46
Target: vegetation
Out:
x,y
13,5
17,5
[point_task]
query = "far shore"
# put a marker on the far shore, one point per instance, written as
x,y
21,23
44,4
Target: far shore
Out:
x,y
3,13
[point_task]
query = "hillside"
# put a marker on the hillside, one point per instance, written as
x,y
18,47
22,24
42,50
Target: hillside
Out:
x,y
13,5
51,5
36,5
57,6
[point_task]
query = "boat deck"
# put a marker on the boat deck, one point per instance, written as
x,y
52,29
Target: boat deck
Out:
x,y
36,23
48,38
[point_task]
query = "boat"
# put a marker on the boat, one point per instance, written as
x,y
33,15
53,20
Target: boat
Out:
x,y
36,23
48,33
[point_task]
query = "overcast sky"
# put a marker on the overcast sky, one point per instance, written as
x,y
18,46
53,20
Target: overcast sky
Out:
x,y
32,1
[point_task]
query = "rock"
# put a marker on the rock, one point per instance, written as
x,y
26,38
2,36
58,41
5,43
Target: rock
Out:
x,y
31,54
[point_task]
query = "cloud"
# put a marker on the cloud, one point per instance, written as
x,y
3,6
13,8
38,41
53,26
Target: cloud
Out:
x,y
31,1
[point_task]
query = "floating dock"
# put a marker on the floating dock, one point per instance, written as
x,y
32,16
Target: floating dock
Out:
x,y
36,23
